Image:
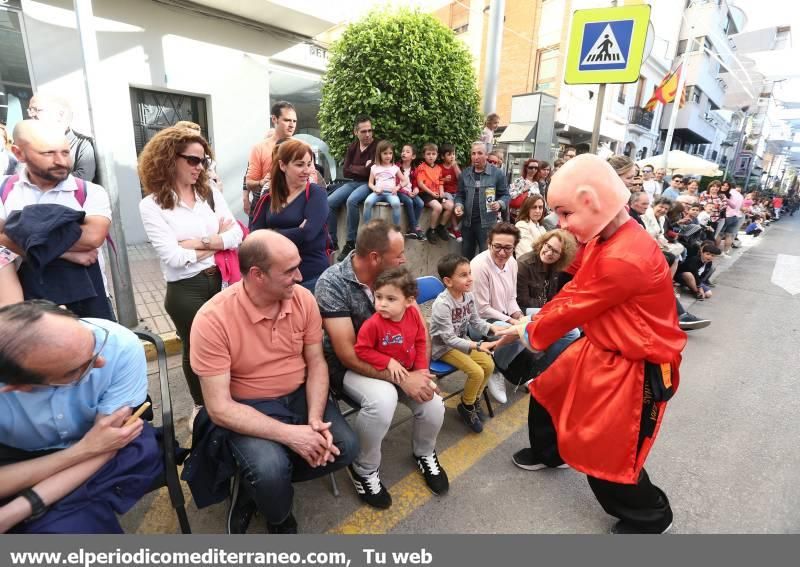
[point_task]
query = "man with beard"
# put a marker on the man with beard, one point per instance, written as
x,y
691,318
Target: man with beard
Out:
x,y
45,179
599,406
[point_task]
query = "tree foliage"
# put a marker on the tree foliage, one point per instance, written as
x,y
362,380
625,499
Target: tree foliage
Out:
x,y
410,74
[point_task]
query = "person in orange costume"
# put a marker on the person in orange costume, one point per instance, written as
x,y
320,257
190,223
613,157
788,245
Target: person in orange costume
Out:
x,y
599,406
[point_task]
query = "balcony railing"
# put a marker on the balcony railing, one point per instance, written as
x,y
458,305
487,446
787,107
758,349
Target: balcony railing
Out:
x,y
640,117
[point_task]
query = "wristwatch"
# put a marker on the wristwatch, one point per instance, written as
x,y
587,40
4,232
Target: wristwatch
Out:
x,y
206,241
37,504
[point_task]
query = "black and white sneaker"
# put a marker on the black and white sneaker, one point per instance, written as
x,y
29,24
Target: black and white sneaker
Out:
x,y
525,459
241,509
434,474
370,489
624,528
688,322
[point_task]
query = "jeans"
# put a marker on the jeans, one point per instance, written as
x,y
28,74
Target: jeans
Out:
x,y
414,206
353,194
393,200
378,401
472,236
184,298
268,468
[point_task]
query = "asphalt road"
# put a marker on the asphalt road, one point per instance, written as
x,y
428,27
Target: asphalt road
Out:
x,y
727,455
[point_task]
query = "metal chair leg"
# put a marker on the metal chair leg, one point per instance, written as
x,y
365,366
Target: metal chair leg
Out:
x,y
334,485
488,402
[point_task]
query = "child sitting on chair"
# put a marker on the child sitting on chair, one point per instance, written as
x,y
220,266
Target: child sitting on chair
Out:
x,y
394,337
454,313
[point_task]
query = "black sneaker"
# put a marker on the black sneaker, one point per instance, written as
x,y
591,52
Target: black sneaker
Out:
x,y
442,233
370,489
525,459
288,526
412,234
241,509
624,528
434,474
348,247
470,417
688,322
431,237
420,234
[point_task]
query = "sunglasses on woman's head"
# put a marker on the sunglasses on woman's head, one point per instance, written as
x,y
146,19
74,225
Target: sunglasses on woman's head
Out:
x,y
194,161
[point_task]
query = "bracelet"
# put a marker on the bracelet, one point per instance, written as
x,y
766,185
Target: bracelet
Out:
x,y
37,504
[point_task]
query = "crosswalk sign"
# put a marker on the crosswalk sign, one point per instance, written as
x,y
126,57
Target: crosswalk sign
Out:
x,y
607,45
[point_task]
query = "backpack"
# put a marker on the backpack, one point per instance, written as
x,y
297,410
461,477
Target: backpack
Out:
x,y
265,200
7,185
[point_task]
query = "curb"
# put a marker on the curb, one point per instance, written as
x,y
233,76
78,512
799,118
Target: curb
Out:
x,y
172,343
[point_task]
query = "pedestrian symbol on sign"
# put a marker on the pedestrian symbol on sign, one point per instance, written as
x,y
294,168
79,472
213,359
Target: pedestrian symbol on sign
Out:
x,y
606,45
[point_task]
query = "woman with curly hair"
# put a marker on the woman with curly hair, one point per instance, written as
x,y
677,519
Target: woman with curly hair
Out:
x,y
187,222
537,276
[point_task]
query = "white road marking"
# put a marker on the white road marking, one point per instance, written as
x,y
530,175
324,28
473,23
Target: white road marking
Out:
x,y
786,273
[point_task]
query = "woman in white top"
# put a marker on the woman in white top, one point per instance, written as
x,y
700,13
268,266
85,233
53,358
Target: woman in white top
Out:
x,y
187,223
530,229
654,220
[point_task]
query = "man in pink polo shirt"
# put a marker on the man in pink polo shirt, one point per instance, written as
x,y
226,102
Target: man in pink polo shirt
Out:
x,y
257,348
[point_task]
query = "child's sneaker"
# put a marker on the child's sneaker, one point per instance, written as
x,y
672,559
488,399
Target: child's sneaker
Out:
x,y
470,417
431,237
420,234
412,234
441,232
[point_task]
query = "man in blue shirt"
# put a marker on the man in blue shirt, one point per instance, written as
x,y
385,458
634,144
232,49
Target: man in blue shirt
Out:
x,y
68,461
675,188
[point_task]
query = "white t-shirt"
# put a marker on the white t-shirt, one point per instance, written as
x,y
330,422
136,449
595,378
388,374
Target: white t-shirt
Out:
x,y
26,193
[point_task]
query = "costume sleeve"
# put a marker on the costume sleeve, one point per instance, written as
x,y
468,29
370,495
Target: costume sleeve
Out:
x,y
421,342
616,280
367,345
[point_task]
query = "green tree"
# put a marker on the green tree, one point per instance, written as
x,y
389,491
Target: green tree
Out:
x,y
410,74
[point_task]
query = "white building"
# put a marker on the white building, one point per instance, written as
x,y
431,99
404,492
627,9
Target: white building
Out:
x,y
217,63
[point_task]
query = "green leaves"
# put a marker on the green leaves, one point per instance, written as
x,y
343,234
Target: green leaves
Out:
x,y
410,74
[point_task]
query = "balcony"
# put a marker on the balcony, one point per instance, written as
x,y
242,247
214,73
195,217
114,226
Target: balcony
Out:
x,y
640,117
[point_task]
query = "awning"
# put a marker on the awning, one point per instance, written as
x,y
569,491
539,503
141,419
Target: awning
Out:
x,y
518,132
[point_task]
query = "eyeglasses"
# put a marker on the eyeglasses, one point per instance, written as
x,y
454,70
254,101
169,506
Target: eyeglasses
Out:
x,y
98,350
194,161
500,248
547,248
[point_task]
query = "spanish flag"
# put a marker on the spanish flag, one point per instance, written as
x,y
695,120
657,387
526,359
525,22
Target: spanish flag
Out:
x,y
666,90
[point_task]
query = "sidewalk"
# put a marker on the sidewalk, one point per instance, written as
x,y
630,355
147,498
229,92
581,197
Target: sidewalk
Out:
x,y
149,288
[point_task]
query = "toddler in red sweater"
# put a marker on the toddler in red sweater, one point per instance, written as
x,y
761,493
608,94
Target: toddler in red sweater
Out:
x,y
394,337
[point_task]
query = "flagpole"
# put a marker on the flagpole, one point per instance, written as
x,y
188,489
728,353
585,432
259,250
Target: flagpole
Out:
x,y
676,103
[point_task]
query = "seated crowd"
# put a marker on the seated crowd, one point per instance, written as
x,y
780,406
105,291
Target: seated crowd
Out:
x,y
266,411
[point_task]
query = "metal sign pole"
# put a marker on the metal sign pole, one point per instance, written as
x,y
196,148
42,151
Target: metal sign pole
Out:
x,y
676,103
493,46
598,117
120,269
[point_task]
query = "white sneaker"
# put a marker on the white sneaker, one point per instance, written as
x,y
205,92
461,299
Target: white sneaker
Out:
x,y
497,387
195,411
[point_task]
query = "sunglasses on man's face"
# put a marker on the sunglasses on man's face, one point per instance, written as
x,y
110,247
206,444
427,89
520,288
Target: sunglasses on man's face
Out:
x,y
194,161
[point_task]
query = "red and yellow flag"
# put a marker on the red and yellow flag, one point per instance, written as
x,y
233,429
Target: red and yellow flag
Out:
x,y
666,90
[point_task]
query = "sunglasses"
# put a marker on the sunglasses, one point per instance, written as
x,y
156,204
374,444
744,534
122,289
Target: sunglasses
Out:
x,y
194,161
532,167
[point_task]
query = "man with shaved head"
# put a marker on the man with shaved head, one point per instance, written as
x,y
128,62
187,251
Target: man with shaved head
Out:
x,y
599,406
257,348
69,459
56,110
45,179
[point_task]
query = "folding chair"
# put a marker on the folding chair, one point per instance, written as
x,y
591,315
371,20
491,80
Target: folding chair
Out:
x,y
170,479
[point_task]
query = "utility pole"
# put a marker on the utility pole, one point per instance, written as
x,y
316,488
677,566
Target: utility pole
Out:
x,y
494,43
120,269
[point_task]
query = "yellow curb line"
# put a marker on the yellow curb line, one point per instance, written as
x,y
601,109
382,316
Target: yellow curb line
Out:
x,y
410,493
171,342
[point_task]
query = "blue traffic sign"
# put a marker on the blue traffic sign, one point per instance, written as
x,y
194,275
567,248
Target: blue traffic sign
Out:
x,y
605,45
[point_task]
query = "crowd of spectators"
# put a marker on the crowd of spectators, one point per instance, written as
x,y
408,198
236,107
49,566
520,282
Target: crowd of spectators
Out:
x,y
270,326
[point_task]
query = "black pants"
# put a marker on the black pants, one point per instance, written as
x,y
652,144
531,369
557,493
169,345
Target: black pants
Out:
x,y
642,505
184,298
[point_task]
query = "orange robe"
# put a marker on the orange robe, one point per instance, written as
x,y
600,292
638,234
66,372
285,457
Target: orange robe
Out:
x,y
622,296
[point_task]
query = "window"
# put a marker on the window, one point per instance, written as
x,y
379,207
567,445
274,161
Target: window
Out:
x,y
546,70
154,110
15,80
693,94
